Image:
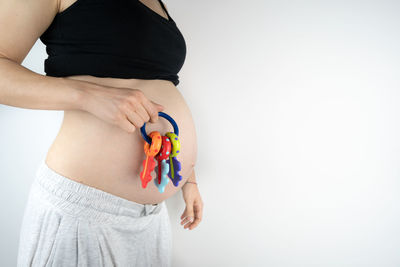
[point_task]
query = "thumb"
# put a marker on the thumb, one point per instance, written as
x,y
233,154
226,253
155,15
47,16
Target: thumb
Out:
x,y
158,106
188,212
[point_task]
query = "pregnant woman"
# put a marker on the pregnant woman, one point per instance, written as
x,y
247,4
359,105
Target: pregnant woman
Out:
x,y
112,66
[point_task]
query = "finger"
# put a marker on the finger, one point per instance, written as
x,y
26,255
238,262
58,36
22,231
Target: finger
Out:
x,y
187,226
128,126
151,110
198,216
135,119
189,213
185,216
187,219
141,111
198,210
188,209
194,223
158,106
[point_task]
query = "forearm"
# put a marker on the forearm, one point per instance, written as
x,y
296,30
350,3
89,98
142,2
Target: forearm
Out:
x,y
192,177
21,87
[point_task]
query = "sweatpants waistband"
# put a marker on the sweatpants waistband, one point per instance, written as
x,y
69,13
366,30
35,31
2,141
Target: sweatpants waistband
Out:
x,y
80,200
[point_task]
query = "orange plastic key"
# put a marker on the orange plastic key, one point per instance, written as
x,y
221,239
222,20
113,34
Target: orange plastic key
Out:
x,y
150,151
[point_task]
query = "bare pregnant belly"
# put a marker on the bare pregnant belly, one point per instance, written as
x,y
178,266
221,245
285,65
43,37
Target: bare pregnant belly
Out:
x,y
93,152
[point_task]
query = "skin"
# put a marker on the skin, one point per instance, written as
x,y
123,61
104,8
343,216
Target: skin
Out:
x,y
99,143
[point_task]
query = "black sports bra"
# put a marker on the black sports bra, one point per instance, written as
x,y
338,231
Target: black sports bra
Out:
x,y
114,38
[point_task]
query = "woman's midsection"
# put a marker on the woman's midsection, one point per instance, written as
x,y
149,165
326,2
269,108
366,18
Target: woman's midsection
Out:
x,y
96,153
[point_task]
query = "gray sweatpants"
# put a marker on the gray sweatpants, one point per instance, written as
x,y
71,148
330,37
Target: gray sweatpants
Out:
x,y
67,223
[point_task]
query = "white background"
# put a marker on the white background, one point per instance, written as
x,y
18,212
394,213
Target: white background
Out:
x,y
296,105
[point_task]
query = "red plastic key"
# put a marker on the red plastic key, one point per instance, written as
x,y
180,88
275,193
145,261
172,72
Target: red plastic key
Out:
x,y
163,154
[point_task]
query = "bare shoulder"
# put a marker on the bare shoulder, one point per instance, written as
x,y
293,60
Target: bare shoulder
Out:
x,y
22,22
64,4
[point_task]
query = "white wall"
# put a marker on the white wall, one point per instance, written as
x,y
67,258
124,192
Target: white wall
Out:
x,y
301,98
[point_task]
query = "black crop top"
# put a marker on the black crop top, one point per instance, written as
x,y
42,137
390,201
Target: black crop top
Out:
x,y
114,38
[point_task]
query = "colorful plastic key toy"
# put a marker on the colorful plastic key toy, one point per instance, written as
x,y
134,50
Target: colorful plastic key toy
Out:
x,y
174,164
168,163
149,163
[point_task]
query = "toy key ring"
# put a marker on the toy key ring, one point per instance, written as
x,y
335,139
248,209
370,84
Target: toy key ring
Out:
x,y
166,155
164,115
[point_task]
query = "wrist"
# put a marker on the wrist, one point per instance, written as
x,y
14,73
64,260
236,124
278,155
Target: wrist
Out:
x,y
191,179
190,183
80,90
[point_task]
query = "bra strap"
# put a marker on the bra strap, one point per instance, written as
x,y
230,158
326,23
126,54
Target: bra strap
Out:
x,y
163,7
